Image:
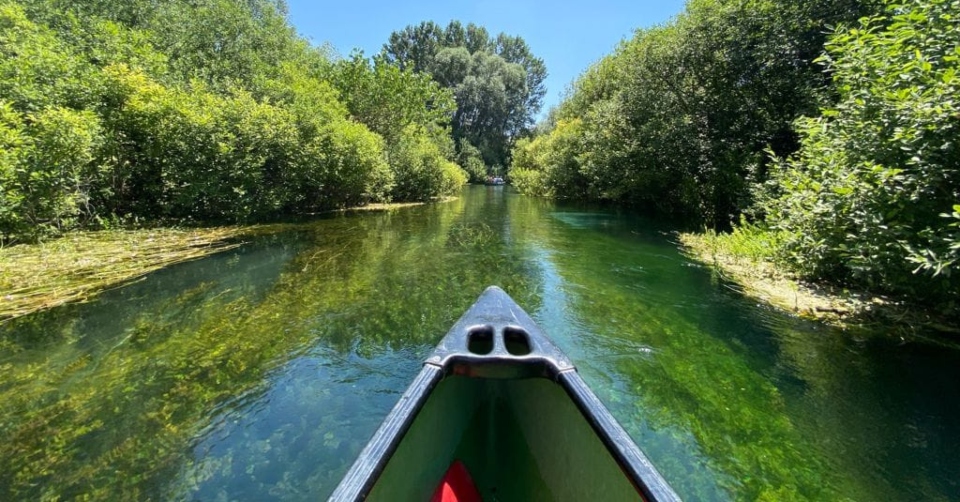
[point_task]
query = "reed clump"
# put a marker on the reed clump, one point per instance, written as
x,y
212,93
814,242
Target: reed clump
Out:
x,y
76,267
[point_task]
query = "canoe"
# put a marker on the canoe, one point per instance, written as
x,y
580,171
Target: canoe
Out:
x,y
498,412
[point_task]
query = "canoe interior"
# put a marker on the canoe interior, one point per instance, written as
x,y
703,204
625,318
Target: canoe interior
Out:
x,y
519,439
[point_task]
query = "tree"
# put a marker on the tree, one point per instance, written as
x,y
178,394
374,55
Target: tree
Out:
x,y
679,119
497,81
421,171
200,110
388,99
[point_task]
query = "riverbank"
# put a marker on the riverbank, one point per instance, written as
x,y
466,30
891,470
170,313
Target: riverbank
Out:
x,y
80,265
746,261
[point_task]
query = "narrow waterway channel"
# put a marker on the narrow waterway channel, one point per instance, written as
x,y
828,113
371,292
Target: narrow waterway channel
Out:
x,y
259,373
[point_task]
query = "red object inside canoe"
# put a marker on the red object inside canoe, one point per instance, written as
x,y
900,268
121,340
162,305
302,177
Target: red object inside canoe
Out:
x,y
456,486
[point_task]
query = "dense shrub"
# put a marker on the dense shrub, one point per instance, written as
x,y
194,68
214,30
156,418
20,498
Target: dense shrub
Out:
x,y
343,166
551,164
204,110
48,141
46,169
197,154
471,160
871,196
421,171
37,69
677,120
527,172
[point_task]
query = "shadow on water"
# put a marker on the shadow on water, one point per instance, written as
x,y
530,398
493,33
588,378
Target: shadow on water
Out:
x,y
258,374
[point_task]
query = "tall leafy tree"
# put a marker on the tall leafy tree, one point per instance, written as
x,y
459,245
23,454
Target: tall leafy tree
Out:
x,y
497,81
412,113
388,99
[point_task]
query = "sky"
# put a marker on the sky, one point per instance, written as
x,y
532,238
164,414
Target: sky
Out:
x,y
568,35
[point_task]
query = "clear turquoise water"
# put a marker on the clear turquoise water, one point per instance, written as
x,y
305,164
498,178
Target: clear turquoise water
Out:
x,y
258,374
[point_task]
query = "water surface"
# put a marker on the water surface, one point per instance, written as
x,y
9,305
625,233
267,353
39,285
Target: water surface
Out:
x,y
259,373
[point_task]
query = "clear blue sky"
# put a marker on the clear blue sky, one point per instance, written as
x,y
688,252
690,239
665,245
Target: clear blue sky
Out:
x,y
568,35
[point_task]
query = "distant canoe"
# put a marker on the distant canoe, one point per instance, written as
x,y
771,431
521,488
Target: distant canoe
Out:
x,y
495,181
498,412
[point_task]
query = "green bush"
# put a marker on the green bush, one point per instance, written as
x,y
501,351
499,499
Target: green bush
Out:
x,y
677,119
242,145
46,169
11,155
205,110
469,157
868,198
343,166
196,154
421,171
37,70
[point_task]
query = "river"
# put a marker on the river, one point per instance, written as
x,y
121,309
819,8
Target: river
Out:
x,y
259,373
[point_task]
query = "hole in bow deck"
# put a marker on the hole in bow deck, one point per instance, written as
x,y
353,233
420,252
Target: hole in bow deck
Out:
x,y
516,340
480,340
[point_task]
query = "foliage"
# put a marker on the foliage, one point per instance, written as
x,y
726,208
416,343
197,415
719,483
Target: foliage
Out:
x,y
345,166
551,165
527,171
37,69
747,243
497,81
47,140
387,99
221,42
209,110
421,172
57,168
677,119
471,160
948,243
193,153
867,199
411,112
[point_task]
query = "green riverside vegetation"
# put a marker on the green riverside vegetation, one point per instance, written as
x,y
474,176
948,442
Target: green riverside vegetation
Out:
x,y
217,111
826,130
497,83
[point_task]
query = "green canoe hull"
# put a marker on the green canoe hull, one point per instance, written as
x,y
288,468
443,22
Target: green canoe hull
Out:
x,y
499,398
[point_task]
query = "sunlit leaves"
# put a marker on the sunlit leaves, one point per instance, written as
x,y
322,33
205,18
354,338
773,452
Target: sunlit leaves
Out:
x,y
865,198
421,171
200,111
677,119
387,99
497,82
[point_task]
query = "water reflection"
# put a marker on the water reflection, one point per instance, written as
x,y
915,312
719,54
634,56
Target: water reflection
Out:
x,y
259,374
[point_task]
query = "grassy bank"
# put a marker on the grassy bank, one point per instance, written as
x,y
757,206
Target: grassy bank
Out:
x,y
78,266
746,258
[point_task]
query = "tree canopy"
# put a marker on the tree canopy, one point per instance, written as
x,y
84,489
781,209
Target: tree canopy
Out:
x,y
497,81
872,198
